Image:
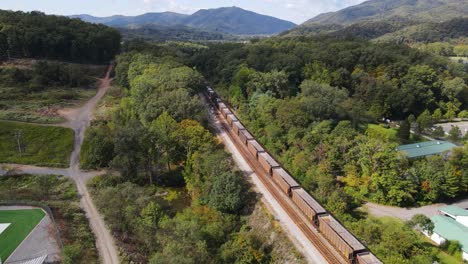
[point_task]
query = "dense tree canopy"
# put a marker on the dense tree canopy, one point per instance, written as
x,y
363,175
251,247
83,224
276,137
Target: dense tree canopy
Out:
x,y
36,35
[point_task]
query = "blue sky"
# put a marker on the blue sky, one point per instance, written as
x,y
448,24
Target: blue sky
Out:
x,y
296,11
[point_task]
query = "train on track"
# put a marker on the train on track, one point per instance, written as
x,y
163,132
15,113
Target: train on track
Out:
x,y
338,236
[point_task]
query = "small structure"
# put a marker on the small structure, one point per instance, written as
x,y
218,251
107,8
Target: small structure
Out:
x,y
427,148
451,224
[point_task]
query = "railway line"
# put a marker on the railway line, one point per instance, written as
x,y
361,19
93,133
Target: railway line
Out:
x,y
309,231
325,233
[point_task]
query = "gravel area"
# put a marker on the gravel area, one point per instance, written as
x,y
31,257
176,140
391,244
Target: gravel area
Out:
x,y
447,126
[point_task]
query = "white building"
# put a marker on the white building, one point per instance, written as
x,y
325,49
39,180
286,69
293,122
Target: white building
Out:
x,y
452,224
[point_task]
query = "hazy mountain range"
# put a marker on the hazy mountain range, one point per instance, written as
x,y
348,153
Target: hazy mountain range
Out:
x,y
225,20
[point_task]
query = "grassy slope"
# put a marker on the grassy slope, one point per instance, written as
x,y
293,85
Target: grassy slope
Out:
x,y
22,223
42,145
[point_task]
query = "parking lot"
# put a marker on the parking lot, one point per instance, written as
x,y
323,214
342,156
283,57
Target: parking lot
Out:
x,y
462,125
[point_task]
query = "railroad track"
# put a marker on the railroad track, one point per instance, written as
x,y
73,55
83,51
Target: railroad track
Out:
x,y
320,243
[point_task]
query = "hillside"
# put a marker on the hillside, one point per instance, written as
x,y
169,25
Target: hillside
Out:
x,y
172,32
227,20
376,10
36,35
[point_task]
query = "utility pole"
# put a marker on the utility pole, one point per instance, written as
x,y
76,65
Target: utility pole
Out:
x,y
18,137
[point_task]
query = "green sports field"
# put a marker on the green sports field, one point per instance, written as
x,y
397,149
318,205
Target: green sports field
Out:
x,y
22,222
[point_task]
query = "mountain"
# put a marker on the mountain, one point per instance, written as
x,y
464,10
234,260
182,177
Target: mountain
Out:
x,y
227,20
375,10
164,18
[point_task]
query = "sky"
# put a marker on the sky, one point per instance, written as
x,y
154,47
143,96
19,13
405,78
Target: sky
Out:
x,y
296,11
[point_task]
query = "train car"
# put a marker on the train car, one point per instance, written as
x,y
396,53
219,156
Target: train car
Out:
x,y
226,112
221,105
307,204
231,118
267,162
339,237
245,136
285,181
237,127
255,148
367,258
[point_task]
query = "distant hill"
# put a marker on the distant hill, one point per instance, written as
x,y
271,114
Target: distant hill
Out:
x,y
172,32
376,10
226,20
392,20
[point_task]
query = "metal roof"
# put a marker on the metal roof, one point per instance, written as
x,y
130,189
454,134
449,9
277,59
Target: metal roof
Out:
x,y
269,159
343,232
427,148
310,200
454,210
450,229
285,176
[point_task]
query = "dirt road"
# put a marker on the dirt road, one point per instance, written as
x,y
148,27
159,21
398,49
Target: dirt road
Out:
x,y
79,120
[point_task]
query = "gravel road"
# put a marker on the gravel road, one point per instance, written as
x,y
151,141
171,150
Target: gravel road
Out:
x,y
79,120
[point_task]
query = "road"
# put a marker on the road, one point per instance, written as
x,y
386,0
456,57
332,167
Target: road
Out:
x,y
406,213
79,120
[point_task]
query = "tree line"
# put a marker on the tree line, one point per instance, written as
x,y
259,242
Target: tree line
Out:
x,y
36,35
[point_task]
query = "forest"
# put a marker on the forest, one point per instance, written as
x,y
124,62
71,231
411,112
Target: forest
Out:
x,y
181,198
318,116
36,35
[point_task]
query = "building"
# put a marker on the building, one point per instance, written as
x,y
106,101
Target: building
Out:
x,y
427,148
451,224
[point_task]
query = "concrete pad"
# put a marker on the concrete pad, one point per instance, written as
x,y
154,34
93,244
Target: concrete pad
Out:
x,y
3,227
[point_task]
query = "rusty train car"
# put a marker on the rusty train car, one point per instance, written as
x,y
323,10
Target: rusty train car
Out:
x,y
332,230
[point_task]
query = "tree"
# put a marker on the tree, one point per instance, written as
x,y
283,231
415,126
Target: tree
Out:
x,y
452,110
422,222
455,133
424,121
227,193
438,132
437,115
322,101
404,130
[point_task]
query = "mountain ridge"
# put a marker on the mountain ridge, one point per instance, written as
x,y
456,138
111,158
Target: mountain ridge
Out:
x,y
227,20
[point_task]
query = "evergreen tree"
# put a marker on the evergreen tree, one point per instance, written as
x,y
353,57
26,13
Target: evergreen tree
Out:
x,y
404,130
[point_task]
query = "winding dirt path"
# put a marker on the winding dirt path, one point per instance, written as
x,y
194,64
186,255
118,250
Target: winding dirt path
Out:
x,y
79,120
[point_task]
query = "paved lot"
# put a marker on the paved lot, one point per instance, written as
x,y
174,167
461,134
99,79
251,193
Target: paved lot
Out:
x,y
406,213
41,240
462,125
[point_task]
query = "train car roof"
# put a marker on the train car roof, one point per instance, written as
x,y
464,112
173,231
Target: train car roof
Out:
x,y
239,125
286,177
246,134
227,111
233,116
222,105
310,200
256,145
368,258
269,159
343,232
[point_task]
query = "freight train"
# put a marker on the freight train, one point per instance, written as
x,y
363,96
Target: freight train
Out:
x,y
341,239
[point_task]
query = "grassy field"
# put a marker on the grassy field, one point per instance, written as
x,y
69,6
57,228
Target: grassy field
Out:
x,y
40,145
18,104
22,222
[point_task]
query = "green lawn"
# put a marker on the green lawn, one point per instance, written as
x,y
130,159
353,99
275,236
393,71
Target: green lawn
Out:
x,y
22,222
40,145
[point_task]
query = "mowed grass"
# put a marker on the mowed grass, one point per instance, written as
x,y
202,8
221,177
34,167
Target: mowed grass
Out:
x,y
22,222
40,145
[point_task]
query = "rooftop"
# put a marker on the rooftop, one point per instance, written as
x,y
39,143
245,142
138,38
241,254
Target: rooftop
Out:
x,y
427,148
454,210
450,229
